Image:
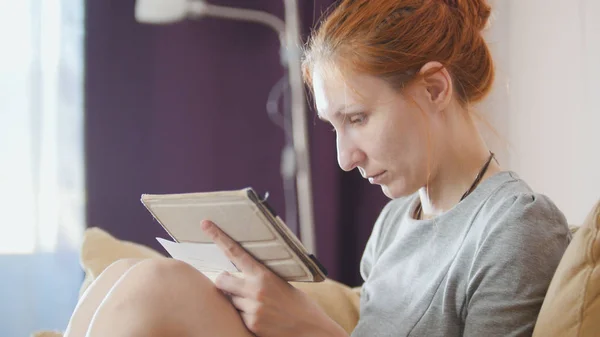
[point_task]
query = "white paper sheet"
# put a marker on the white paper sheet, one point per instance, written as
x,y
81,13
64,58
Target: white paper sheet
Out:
x,y
206,257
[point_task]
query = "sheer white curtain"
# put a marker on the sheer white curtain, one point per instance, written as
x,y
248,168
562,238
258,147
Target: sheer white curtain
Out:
x,y
544,103
42,172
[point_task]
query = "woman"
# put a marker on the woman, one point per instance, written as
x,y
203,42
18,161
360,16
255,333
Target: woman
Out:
x,y
463,249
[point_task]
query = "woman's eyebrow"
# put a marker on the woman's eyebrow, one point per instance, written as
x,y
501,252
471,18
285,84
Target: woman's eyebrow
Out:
x,y
342,110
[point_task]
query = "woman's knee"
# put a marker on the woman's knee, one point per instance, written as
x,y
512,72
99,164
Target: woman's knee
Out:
x,y
120,266
163,284
155,293
93,293
157,273
125,263
107,278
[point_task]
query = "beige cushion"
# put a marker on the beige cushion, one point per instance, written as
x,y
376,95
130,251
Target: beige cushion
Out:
x,y
47,334
572,305
99,250
340,302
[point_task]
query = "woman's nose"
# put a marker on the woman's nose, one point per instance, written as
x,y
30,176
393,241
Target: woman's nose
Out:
x,y
349,155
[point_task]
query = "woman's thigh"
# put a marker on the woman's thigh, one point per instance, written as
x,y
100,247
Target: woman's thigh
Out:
x,y
166,297
94,295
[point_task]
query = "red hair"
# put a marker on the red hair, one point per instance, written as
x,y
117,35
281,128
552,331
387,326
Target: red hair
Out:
x,y
393,39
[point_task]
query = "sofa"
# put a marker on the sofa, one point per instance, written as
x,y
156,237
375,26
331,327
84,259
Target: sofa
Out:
x,y
571,307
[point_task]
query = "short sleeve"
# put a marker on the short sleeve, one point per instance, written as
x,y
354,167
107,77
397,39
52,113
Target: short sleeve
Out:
x,y
515,260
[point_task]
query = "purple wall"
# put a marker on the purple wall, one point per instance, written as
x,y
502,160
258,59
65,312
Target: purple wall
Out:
x,y
181,108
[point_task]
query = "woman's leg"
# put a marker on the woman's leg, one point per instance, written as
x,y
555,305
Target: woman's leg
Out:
x,y
164,298
94,295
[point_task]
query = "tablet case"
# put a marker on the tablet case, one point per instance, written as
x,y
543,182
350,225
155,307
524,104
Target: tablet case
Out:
x,y
247,219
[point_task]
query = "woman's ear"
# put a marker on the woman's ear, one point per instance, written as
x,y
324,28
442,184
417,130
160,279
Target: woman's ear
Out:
x,y
438,85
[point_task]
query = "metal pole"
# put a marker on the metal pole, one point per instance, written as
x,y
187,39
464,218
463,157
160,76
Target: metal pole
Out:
x,y
299,127
146,11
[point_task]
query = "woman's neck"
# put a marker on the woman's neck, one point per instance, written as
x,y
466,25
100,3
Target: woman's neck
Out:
x,y
456,169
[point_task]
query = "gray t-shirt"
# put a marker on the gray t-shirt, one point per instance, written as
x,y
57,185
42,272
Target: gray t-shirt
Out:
x,y
480,269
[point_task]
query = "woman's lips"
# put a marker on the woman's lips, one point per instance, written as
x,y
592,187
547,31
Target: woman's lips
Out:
x,y
377,179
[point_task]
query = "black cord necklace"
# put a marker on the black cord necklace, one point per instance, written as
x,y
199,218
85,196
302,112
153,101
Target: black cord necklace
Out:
x,y
419,209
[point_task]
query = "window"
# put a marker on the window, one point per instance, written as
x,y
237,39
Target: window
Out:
x,y
41,125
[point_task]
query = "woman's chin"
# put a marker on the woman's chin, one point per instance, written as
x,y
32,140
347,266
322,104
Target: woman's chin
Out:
x,y
389,192
394,192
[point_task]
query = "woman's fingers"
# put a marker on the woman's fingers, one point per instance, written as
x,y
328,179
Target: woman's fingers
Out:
x,y
249,311
245,305
238,255
233,285
250,321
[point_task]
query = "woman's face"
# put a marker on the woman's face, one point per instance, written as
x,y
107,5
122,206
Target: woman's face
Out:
x,y
378,130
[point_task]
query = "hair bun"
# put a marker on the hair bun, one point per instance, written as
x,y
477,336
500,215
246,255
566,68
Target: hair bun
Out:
x,y
476,12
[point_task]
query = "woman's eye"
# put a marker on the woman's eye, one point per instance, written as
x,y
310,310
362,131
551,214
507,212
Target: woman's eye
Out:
x,y
357,119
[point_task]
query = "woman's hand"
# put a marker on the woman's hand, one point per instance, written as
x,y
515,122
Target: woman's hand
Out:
x,y
268,305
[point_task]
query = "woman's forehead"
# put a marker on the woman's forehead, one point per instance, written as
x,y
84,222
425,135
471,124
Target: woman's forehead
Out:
x,y
331,94
337,92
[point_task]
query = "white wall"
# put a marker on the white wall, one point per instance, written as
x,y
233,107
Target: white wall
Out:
x,y
548,74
